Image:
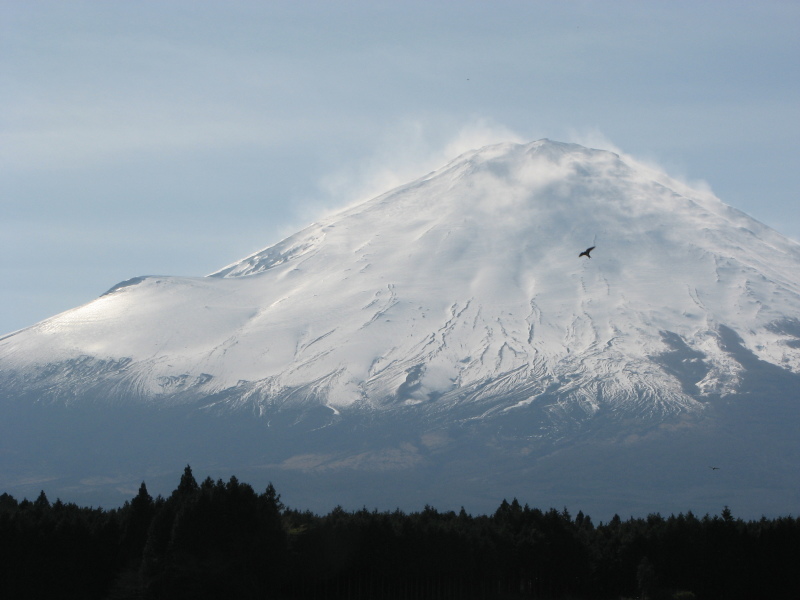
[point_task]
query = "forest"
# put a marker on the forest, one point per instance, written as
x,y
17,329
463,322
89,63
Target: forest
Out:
x,y
218,539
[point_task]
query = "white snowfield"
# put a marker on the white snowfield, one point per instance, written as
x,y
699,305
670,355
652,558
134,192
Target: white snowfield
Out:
x,y
464,286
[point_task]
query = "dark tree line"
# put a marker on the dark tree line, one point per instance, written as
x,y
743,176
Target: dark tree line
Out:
x,y
224,540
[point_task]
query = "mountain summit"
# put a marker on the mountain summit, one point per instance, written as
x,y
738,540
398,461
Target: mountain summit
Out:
x,y
458,302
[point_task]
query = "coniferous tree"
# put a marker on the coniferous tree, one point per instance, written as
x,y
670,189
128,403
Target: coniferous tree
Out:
x,y
222,539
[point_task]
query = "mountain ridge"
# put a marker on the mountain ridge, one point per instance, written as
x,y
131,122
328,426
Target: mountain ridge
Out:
x,y
487,278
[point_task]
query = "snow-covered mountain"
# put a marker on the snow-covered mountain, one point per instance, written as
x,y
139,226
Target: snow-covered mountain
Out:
x,y
457,302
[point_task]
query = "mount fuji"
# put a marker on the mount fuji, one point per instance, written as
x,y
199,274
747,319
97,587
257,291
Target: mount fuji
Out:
x,y
443,343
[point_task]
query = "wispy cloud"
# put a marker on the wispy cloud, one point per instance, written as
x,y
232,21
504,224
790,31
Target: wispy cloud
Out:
x,y
658,169
405,152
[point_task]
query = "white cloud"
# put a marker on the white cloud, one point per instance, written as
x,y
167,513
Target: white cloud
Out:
x,y
594,138
403,153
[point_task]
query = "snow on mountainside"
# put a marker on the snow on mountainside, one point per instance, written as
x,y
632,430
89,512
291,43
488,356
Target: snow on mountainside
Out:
x,y
443,343
461,289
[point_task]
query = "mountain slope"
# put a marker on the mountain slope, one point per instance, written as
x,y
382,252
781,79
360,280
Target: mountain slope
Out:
x,y
458,298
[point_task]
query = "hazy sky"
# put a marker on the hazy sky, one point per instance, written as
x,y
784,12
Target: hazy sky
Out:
x,y
174,137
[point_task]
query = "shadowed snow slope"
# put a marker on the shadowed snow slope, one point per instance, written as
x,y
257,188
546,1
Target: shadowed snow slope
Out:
x,y
453,306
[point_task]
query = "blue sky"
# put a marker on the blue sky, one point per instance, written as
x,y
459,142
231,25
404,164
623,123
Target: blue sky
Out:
x,y
176,137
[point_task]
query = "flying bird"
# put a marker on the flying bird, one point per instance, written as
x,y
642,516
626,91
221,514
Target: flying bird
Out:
x,y
586,252
714,468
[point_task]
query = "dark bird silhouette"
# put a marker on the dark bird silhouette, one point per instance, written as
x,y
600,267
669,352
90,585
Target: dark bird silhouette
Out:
x,y
586,252
714,468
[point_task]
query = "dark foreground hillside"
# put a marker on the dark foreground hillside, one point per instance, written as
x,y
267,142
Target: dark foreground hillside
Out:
x,y
224,540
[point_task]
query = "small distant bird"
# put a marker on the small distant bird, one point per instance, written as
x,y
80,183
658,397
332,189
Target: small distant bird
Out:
x,y
586,252
714,468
